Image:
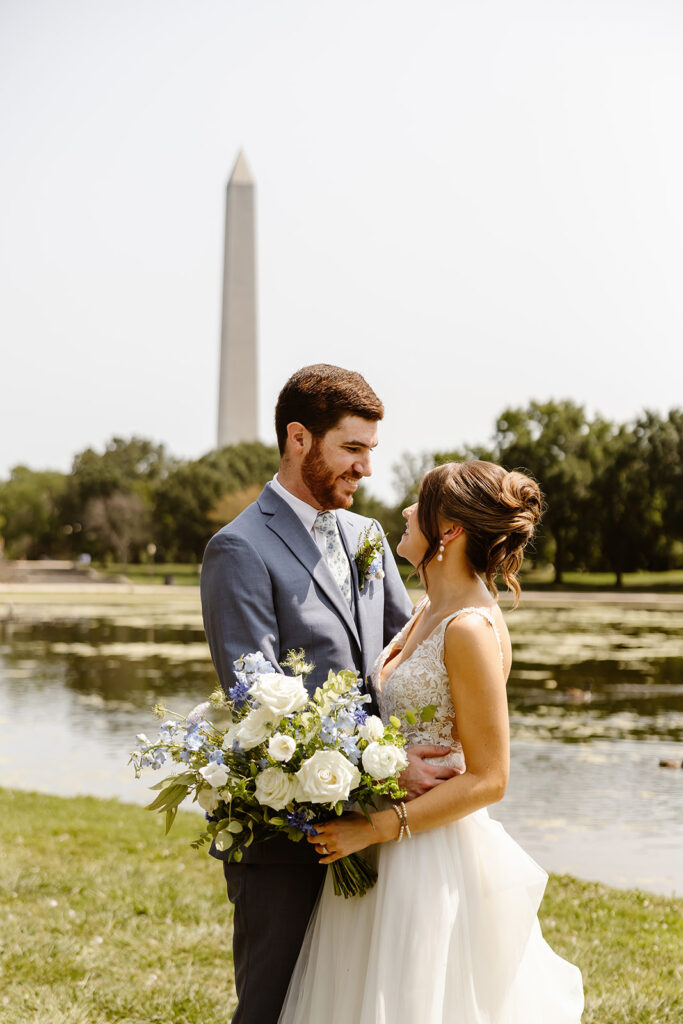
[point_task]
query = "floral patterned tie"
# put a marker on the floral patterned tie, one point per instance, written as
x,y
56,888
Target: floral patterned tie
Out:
x,y
335,556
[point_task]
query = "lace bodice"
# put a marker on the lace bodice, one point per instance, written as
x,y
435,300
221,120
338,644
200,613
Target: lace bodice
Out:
x,y
420,680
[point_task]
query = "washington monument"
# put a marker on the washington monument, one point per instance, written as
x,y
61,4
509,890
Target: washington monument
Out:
x,y
238,381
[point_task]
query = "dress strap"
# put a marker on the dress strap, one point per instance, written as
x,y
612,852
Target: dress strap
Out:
x,y
485,614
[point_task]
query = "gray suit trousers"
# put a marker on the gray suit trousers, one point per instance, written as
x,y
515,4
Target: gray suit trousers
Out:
x,y
265,950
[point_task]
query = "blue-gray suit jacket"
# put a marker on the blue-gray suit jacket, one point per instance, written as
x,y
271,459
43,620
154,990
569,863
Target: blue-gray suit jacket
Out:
x,y
266,586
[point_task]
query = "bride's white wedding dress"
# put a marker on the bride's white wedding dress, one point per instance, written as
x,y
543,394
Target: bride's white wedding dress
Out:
x,y
449,934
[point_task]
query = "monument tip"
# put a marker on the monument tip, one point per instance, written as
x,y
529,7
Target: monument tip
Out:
x,y
241,175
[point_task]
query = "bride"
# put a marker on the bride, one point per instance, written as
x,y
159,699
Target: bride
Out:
x,y
449,933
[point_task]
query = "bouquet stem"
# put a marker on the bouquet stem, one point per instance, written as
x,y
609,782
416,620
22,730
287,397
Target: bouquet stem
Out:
x,y
352,876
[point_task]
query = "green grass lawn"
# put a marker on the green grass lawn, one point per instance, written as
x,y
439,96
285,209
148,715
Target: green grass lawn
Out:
x,y
175,572
531,579
104,919
542,579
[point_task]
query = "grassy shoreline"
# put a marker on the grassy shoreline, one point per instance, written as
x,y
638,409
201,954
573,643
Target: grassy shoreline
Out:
x,y
105,920
531,579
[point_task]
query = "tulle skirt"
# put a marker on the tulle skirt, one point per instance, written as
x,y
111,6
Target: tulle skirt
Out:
x,y
448,935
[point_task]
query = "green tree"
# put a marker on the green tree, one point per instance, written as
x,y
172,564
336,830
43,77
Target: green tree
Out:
x,y
660,440
30,513
133,466
553,442
188,497
117,524
624,504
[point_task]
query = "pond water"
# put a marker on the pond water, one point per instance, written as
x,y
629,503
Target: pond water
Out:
x,y
596,701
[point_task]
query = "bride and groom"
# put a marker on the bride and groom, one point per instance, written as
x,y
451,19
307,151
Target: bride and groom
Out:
x,y
449,932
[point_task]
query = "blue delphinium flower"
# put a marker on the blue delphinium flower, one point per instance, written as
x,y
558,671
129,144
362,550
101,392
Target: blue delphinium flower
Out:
x,y
345,721
193,739
360,717
297,819
350,750
240,691
159,758
256,663
215,754
328,730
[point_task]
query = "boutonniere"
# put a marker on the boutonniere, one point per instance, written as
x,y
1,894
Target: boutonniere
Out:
x,y
369,556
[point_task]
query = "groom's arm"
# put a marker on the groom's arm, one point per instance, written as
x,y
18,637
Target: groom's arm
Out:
x,y
237,604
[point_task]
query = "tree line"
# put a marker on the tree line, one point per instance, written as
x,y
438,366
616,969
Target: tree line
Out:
x,y
614,493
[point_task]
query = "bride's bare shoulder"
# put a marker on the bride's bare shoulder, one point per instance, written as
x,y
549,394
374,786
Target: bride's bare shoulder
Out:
x,y
475,639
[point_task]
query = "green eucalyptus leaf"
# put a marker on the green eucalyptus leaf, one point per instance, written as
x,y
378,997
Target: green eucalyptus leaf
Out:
x,y
167,798
164,782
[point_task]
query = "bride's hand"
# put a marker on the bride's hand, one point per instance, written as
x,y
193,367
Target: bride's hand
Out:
x,y
342,836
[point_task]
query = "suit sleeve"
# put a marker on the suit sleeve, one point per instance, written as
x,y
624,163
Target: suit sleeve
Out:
x,y
237,605
397,604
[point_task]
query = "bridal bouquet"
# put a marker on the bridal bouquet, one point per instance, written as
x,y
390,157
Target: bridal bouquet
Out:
x,y
267,760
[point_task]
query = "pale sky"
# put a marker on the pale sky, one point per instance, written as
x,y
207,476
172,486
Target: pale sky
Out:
x,y
472,203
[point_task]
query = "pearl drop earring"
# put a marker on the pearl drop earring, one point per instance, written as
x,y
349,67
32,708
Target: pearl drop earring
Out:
x,y
439,557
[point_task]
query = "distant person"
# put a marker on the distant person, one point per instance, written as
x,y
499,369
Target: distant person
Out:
x,y
282,576
449,934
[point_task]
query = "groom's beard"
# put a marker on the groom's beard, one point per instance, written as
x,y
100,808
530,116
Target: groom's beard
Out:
x,y
320,480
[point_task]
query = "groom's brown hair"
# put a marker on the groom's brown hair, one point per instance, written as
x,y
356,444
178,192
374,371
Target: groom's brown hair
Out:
x,y
319,395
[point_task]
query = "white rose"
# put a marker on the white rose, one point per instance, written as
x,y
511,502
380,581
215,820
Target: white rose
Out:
x,y
215,774
381,761
326,777
372,729
252,730
209,799
282,695
281,747
275,788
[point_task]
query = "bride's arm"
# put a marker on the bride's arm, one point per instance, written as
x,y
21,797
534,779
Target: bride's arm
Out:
x,y
472,661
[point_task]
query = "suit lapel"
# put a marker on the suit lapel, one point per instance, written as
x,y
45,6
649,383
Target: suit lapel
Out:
x,y
284,522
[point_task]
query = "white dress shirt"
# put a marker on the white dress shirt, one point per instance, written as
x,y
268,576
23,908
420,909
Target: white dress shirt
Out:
x,y
305,512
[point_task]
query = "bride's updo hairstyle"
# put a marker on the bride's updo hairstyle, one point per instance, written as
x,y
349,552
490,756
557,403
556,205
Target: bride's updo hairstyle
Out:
x,y
498,512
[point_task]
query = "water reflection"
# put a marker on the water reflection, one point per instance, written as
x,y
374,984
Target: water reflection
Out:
x,y
596,699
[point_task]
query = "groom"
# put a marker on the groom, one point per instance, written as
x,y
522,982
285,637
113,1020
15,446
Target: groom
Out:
x,y
283,576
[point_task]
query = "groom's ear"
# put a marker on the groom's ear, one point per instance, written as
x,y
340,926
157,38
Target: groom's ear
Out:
x,y
298,438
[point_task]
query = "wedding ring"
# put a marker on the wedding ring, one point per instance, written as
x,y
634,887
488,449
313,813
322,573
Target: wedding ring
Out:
x,y
323,849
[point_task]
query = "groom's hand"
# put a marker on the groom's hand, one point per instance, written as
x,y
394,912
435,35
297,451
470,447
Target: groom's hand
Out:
x,y
420,776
